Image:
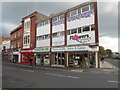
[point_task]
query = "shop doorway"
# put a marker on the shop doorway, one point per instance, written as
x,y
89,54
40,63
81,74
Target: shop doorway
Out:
x,y
59,58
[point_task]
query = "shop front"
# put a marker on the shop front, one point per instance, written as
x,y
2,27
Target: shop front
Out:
x,y
77,56
26,55
42,56
16,56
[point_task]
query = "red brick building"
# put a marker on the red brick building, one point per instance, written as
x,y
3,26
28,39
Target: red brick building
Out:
x,y
16,41
24,36
29,35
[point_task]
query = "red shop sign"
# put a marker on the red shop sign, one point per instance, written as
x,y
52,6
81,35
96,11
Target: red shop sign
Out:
x,y
27,50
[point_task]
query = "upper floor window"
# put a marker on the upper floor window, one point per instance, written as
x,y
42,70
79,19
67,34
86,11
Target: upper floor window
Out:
x,y
79,10
85,8
91,6
55,19
62,33
79,30
61,17
47,36
74,12
27,24
92,27
68,14
87,28
55,34
73,31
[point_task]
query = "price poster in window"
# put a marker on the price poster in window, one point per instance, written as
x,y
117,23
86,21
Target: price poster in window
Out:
x,y
38,60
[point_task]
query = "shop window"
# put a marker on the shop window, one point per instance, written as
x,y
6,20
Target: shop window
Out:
x,y
91,6
87,28
74,12
79,10
79,30
73,31
86,8
92,27
61,17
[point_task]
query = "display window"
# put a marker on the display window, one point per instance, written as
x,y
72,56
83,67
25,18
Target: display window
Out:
x,y
82,60
26,58
43,59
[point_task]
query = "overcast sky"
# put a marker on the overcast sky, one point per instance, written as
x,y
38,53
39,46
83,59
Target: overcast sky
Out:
x,y
13,12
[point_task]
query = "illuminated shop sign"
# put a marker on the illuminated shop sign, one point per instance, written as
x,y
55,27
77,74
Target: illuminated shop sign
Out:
x,y
42,49
81,38
27,51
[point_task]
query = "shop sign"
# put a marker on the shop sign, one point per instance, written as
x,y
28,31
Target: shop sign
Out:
x,y
81,38
26,50
16,53
42,49
80,48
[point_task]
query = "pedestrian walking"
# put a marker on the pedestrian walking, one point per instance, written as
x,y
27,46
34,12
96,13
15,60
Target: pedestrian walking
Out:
x,y
30,61
102,60
35,61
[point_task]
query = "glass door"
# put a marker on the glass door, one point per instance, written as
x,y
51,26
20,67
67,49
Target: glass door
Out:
x,y
59,58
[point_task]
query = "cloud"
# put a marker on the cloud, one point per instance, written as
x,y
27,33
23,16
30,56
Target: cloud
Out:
x,y
109,43
7,28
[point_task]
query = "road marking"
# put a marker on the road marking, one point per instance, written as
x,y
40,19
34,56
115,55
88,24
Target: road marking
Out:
x,y
62,75
113,81
26,70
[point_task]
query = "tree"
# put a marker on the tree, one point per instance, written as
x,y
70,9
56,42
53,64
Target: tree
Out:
x,y
102,51
109,52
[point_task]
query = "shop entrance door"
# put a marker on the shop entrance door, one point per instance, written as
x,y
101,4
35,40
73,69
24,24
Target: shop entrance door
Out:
x,y
59,58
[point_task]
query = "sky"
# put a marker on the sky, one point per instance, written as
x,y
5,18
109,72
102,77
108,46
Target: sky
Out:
x,y
13,12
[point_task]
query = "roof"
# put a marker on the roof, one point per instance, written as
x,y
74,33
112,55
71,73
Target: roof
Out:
x,y
33,14
16,29
3,39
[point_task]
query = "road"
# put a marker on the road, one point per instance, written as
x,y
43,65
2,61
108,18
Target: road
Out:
x,y
17,76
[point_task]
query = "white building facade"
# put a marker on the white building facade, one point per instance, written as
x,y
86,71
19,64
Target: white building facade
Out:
x,y
73,38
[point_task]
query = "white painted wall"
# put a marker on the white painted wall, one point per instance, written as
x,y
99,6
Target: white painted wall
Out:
x,y
43,30
80,22
26,32
58,28
58,41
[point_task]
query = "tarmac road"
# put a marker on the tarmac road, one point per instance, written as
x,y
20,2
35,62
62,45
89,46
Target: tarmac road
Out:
x,y
17,76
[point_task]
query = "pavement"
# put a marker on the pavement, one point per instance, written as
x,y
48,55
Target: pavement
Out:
x,y
105,67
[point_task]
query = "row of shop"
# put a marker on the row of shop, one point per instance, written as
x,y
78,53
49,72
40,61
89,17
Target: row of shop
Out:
x,y
77,56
